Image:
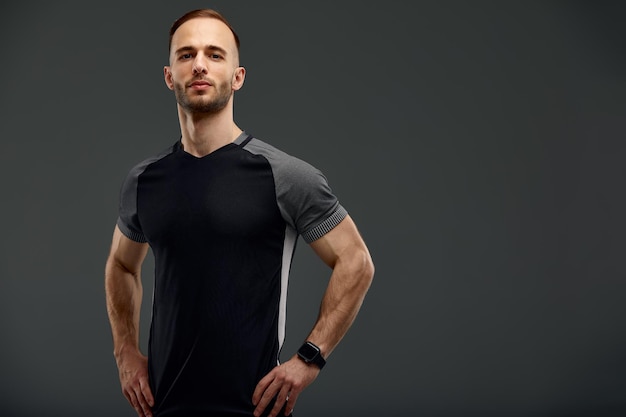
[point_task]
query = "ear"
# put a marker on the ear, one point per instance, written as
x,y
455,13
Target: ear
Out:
x,y
238,78
167,75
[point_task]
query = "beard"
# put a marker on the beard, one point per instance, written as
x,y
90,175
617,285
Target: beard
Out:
x,y
203,103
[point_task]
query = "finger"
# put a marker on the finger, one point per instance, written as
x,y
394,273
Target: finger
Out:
x,y
291,403
134,402
135,397
143,405
263,402
146,391
281,401
266,397
261,387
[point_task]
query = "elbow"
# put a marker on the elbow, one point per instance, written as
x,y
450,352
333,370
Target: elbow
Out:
x,y
364,269
370,270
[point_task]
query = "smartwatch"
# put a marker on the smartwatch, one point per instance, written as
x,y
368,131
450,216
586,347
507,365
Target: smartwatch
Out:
x,y
310,353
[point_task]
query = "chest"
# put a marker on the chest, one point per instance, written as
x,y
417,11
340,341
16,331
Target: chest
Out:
x,y
227,197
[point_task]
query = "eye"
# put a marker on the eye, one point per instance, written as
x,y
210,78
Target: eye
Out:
x,y
216,56
185,56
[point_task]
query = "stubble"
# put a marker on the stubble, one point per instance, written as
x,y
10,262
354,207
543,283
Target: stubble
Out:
x,y
203,103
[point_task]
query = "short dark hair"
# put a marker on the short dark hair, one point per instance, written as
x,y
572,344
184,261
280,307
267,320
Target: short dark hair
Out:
x,y
210,13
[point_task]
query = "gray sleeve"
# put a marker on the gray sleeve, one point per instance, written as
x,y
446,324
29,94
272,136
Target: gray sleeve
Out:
x,y
304,197
128,219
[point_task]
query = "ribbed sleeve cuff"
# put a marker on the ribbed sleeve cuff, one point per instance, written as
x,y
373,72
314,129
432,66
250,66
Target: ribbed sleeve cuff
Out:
x,y
325,226
137,237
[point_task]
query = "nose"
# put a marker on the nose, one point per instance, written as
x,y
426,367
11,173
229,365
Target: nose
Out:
x,y
199,65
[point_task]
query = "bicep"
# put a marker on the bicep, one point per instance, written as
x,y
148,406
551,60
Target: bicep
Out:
x,y
127,253
343,241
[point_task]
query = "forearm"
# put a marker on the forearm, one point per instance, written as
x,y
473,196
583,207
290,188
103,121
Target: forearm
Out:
x,y
352,275
123,294
350,280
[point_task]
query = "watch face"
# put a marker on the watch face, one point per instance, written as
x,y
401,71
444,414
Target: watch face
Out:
x,y
308,352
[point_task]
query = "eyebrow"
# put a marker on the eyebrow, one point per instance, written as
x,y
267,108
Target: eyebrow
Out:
x,y
208,47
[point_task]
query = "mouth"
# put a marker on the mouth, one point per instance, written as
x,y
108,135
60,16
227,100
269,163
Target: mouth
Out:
x,y
200,84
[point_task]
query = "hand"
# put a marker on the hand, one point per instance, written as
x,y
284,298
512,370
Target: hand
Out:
x,y
285,382
133,370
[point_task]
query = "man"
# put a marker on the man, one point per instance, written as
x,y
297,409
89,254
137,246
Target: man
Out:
x,y
222,211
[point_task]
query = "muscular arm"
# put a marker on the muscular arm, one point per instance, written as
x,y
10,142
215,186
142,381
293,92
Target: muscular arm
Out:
x,y
345,252
123,297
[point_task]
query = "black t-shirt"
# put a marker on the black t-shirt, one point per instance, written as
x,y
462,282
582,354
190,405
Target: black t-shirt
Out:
x,y
222,229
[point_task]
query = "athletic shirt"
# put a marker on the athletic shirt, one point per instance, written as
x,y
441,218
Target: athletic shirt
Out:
x,y
223,229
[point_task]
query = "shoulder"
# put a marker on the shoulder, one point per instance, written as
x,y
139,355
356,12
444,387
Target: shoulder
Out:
x,y
131,181
282,163
140,167
303,194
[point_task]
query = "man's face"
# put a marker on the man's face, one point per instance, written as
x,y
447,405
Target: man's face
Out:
x,y
204,66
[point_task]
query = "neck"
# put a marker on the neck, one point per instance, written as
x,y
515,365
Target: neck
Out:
x,y
205,133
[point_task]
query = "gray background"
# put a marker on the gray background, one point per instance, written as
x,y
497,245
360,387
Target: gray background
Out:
x,y
478,145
